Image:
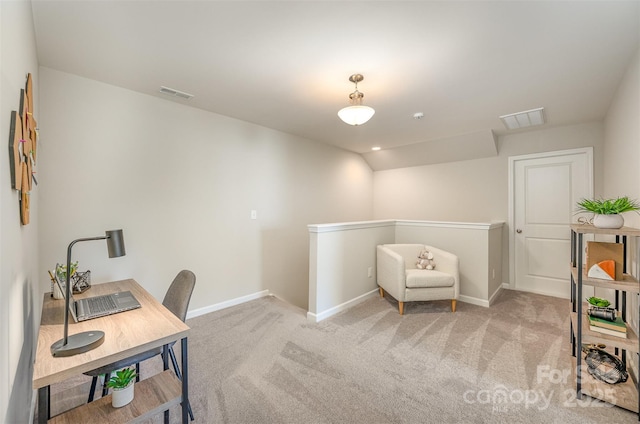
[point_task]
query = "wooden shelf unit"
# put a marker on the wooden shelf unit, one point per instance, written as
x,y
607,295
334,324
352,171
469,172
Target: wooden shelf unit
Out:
x,y
590,229
151,396
625,395
630,343
628,282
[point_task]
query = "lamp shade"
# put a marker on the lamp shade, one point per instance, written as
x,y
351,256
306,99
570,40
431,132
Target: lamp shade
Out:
x,y
356,115
115,243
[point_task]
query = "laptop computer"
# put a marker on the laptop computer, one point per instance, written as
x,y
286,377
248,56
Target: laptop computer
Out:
x,y
99,306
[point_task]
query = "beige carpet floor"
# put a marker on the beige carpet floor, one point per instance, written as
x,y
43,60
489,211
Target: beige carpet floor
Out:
x,y
263,362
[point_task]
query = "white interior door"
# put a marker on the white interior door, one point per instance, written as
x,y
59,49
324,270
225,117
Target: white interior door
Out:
x,y
545,189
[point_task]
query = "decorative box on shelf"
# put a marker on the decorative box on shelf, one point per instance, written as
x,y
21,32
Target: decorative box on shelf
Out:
x,y
81,281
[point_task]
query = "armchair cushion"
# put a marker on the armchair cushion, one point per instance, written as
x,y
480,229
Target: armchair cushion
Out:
x,y
428,278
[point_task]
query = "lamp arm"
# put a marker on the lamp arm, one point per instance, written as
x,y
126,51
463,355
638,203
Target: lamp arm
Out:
x,y
67,289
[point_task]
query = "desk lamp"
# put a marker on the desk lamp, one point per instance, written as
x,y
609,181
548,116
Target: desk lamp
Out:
x,y
85,341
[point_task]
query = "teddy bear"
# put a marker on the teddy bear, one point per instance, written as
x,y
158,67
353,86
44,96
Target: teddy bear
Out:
x,y
425,260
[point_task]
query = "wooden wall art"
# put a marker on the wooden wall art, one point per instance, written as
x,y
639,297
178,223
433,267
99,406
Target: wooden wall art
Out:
x,y
23,140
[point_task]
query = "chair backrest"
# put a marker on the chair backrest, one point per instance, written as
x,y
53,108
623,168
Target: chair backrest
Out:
x,y
179,294
409,253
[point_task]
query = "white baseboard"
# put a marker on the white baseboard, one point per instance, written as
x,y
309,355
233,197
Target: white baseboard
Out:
x,y
227,304
495,294
483,302
474,301
346,305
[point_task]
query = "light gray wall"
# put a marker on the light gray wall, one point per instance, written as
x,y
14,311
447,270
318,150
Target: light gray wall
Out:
x,y
341,256
181,183
21,296
622,157
622,140
475,190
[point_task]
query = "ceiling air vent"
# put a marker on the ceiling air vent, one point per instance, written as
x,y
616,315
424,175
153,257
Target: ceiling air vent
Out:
x,y
175,93
528,118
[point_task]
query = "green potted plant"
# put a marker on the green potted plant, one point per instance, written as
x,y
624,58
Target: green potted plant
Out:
x,y
61,270
607,211
61,275
598,301
122,384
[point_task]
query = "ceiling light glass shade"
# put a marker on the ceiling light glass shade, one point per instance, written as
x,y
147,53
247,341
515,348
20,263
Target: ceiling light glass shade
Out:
x,y
356,115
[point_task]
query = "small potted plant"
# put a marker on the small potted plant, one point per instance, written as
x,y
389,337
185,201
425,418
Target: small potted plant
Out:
x,y
61,270
122,384
598,302
607,211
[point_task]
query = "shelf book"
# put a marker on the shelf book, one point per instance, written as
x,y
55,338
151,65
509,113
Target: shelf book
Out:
x,y
616,328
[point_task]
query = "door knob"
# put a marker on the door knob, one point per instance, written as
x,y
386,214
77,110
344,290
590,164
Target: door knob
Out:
x,y
518,231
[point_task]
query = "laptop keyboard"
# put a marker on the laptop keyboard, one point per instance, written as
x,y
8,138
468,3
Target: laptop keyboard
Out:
x,y
101,304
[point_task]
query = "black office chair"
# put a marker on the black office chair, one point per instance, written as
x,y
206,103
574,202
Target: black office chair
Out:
x,y
177,301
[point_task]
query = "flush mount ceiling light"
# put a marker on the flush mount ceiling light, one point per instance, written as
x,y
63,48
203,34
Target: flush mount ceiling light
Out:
x,y
528,118
357,113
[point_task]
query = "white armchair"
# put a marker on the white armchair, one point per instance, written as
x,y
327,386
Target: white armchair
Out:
x,y
400,277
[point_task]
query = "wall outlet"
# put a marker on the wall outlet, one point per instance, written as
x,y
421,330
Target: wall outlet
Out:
x,y
370,272
254,214
493,273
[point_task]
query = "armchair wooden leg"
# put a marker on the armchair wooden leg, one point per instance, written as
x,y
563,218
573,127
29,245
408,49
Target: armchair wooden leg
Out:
x,y
381,292
401,307
453,305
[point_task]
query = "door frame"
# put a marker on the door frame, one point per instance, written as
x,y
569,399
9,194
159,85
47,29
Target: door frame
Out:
x,y
587,151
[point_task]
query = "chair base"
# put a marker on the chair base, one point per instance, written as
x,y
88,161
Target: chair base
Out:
x,y
401,304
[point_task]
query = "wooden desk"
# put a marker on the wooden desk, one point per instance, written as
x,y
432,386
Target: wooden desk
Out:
x,y
126,334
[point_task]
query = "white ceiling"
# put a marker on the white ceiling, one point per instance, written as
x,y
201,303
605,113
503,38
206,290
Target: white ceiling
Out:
x,y
286,64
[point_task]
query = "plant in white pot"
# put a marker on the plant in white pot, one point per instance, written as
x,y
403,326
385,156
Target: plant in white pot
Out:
x,y
607,211
122,384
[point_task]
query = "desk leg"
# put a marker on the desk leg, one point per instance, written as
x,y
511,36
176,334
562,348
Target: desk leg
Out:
x,y
165,366
185,382
165,357
43,404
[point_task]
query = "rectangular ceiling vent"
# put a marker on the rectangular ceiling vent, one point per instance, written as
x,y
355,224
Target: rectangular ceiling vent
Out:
x,y
175,93
528,118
